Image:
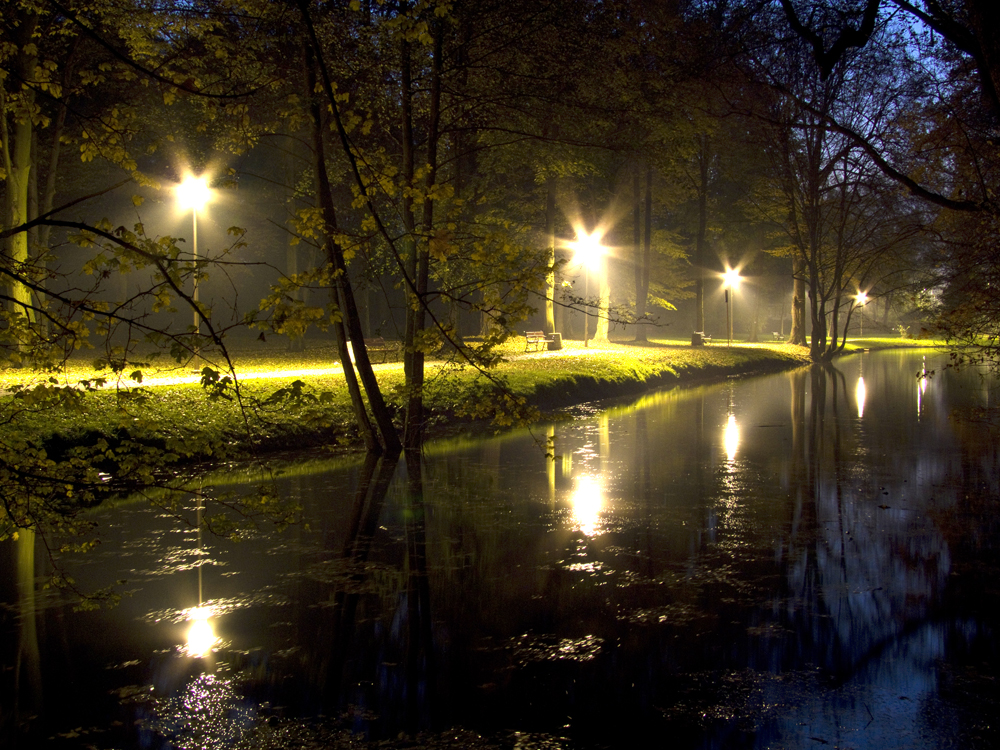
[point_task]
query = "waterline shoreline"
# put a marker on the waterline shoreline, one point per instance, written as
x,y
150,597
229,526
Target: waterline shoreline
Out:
x,y
286,404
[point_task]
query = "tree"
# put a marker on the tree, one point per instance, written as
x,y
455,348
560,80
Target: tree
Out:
x,y
53,311
943,152
841,215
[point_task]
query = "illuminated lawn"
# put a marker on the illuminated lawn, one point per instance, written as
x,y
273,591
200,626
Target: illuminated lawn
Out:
x,y
170,408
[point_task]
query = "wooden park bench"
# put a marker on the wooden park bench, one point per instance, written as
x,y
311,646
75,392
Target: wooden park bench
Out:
x,y
778,336
377,345
700,337
536,339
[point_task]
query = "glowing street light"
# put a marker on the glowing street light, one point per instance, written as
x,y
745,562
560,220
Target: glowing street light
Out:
x,y
862,298
193,193
589,253
731,279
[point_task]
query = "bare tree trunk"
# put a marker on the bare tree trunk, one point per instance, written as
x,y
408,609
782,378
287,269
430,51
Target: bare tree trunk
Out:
x,y
296,344
798,332
754,335
701,239
550,236
640,297
17,135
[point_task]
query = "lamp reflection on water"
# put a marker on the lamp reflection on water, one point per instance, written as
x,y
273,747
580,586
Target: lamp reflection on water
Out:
x,y
201,635
586,504
731,437
921,387
860,393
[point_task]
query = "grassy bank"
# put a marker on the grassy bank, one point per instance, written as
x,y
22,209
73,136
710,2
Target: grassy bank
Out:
x,y
299,400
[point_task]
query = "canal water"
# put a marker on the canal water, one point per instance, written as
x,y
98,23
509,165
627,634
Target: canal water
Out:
x,y
808,559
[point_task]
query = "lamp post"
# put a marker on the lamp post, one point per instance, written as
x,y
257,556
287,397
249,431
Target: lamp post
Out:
x,y
731,279
590,255
862,299
193,193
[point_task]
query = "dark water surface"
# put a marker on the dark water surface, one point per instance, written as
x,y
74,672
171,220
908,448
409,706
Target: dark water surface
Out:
x,y
799,560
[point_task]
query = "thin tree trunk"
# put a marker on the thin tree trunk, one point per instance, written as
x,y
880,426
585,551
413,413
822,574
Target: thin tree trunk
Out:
x,y
323,193
413,303
55,148
415,382
603,307
33,191
348,308
647,250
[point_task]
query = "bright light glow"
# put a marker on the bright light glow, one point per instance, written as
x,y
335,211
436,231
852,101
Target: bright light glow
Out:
x,y
201,635
193,193
860,393
921,388
732,278
588,250
587,502
731,438
861,298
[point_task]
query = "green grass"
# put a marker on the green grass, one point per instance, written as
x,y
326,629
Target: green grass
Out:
x,y
183,419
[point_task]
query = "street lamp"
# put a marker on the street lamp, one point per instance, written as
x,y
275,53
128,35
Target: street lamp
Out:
x,y
193,193
731,280
589,253
861,298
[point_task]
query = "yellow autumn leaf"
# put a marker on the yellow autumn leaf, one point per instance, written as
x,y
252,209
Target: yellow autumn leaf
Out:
x,y
439,245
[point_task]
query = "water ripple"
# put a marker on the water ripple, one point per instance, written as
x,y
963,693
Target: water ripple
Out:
x,y
534,648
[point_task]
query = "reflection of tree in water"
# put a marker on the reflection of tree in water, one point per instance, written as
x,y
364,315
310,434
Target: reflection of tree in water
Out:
x,y
21,677
372,649
859,576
